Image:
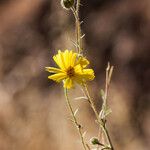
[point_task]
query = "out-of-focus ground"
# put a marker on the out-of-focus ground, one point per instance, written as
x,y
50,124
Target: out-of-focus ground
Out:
x,y
33,113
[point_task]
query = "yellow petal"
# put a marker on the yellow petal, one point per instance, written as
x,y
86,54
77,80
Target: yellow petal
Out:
x,y
70,57
85,75
83,62
66,58
73,59
78,69
59,60
68,83
88,74
58,77
62,59
53,70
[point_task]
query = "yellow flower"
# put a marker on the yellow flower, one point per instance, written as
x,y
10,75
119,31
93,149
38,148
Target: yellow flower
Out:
x,y
72,68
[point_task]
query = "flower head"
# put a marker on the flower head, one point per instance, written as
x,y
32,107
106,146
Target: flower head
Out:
x,y
71,69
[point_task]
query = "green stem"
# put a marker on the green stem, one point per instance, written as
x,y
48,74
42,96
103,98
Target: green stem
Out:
x,y
78,126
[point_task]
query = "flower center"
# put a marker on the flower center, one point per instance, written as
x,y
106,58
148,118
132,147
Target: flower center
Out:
x,y
70,72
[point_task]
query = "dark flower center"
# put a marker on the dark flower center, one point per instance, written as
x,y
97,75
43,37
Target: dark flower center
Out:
x,y
70,72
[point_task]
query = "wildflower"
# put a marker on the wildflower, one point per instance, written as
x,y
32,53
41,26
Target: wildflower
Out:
x,y
72,68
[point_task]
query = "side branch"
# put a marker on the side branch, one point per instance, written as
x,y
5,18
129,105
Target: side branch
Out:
x,y
78,126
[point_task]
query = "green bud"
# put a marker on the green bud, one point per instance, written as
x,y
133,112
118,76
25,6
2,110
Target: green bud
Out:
x,y
94,141
67,4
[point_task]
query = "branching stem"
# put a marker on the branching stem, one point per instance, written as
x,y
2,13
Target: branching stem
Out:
x,y
101,123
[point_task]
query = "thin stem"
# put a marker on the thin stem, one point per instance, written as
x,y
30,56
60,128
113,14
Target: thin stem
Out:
x,y
109,71
91,102
88,147
78,126
106,86
108,137
78,28
78,6
78,25
105,96
100,121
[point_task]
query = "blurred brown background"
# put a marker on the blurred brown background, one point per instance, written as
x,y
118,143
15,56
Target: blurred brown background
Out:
x,y
33,113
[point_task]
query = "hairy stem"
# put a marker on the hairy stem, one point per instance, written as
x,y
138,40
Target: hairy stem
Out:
x,y
78,5
99,121
78,28
78,126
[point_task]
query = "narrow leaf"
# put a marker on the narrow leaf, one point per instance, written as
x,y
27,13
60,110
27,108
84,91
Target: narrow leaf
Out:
x,y
70,119
76,111
82,36
107,112
81,98
81,22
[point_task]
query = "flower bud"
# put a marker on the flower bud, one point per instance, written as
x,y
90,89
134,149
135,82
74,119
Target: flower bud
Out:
x,y
67,4
94,141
